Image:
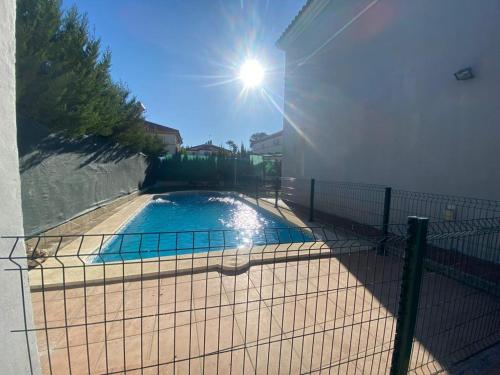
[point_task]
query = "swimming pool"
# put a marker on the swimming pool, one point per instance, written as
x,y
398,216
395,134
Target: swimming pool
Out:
x,y
187,222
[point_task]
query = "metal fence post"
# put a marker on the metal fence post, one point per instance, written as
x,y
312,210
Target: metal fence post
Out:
x,y
256,189
410,293
385,220
235,170
311,201
276,192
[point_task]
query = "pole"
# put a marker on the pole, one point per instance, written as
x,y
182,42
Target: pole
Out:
x,y
276,192
410,293
311,201
234,172
385,220
257,189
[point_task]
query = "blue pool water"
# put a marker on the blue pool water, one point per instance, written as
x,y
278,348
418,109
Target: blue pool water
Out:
x,y
183,223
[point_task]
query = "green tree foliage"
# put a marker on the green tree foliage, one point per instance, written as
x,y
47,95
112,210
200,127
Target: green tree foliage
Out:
x,y
257,137
232,146
64,81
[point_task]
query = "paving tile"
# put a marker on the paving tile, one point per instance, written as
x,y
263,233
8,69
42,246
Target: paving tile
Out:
x,y
184,349
60,359
219,335
125,353
262,276
317,353
212,307
332,315
256,324
241,299
234,362
291,315
377,361
273,358
236,283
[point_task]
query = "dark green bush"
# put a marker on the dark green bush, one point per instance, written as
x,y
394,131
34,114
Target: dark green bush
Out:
x,y
190,168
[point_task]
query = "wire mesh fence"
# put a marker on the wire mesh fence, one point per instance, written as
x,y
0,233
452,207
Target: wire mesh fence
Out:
x,y
359,207
363,204
457,319
369,209
354,207
274,307
295,300
312,299
295,191
440,207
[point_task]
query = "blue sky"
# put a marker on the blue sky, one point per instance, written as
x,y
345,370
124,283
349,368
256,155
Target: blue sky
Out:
x,y
175,56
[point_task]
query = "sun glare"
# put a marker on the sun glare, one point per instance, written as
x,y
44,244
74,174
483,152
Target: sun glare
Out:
x,y
251,73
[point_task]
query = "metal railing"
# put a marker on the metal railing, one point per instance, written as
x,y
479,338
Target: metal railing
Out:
x,y
294,300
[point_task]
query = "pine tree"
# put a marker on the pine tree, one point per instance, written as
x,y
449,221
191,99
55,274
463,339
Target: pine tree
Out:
x,y
64,81
243,150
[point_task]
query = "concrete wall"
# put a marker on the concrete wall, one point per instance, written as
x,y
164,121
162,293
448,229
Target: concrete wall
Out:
x,y
379,103
14,356
62,179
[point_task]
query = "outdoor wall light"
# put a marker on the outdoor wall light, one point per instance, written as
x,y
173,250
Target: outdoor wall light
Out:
x,y
464,74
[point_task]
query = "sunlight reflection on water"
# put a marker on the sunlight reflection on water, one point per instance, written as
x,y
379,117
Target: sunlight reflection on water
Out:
x,y
241,218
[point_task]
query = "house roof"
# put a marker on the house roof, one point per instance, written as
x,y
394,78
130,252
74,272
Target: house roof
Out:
x,y
302,20
207,147
157,128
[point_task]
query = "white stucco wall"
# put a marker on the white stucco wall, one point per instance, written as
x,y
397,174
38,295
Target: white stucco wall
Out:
x,y
272,145
171,143
13,348
380,103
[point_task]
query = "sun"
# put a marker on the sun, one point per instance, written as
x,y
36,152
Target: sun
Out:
x,y
251,73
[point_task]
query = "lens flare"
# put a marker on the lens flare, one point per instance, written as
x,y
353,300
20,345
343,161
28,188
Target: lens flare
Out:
x,y
251,73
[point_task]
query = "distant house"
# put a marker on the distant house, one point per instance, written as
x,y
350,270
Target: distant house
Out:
x,y
208,149
269,145
171,137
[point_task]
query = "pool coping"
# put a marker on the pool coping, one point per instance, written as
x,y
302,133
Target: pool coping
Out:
x,y
69,267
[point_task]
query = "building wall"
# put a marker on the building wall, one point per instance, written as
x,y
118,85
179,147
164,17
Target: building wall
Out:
x,y
170,141
272,145
14,357
200,153
379,103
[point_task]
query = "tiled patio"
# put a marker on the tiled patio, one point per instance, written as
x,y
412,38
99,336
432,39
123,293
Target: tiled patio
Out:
x,y
335,314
